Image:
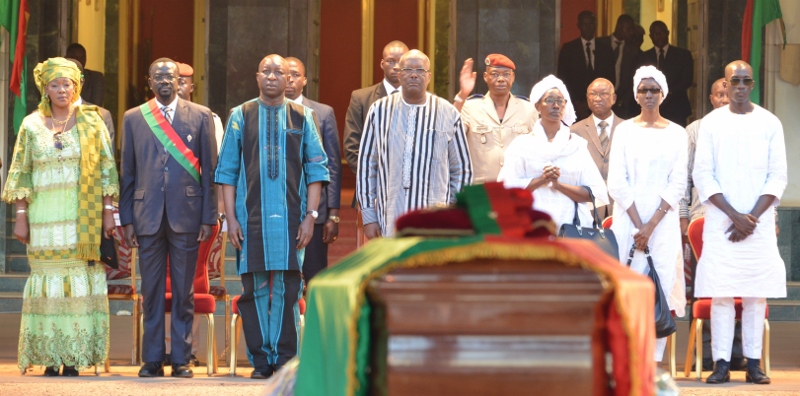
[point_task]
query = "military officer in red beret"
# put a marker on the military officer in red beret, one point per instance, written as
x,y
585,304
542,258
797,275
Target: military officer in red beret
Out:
x,y
493,120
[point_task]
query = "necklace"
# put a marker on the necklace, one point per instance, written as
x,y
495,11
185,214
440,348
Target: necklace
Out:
x,y
57,143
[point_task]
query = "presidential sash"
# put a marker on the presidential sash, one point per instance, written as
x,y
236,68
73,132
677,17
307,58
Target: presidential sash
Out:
x,y
170,139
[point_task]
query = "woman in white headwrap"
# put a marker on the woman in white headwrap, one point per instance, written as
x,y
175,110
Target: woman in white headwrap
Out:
x,y
553,163
647,179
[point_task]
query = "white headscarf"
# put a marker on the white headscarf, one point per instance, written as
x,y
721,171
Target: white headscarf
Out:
x,y
549,83
655,74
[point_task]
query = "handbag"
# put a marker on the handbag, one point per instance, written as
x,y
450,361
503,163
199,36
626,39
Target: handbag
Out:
x,y
602,237
665,325
108,252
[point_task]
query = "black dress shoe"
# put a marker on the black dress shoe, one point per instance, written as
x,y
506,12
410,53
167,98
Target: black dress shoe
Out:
x,y
262,373
69,371
193,362
51,371
152,370
721,374
182,371
755,374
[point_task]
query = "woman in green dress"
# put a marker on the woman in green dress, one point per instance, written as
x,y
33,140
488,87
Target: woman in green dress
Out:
x,y
62,179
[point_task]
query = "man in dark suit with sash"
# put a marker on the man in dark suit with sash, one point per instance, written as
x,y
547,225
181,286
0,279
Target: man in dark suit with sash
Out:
x,y
272,168
167,206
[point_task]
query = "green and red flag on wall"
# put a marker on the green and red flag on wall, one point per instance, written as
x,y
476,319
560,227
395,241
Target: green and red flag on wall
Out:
x,y
14,16
757,15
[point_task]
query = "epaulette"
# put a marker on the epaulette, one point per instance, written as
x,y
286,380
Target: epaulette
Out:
x,y
475,96
525,98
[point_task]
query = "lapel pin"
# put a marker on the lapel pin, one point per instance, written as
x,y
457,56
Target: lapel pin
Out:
x,y
189,138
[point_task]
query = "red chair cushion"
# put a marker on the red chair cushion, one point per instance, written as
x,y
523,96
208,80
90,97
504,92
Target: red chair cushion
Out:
x,y
702,309
121,289
203,303
235,305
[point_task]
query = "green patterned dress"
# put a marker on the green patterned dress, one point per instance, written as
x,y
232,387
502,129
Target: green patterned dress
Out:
x,y
64,308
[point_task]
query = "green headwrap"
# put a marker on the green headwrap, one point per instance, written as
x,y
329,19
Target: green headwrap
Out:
x,y
50,70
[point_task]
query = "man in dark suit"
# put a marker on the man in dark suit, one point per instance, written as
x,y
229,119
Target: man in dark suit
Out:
x,y
326,226
93,89
622,62
677,65
363,98
598,128
360,101
582,60
167,206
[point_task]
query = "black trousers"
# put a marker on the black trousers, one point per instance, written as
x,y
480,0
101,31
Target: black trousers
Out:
x,y
270,316
153,251
316,258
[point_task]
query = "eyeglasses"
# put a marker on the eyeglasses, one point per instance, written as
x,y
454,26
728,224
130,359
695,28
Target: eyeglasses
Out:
x,y
163,77
644,91
602,95
411,72
554,101
736,80
496,75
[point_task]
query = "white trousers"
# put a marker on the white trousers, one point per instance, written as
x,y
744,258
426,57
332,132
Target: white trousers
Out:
x,y
723,322
658,351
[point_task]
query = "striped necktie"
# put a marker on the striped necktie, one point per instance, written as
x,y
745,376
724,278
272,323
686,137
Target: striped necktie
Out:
x,y
603,136
167,114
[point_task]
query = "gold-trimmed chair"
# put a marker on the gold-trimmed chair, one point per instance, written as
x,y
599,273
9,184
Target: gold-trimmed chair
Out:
x,y
701,311
126,257
216,270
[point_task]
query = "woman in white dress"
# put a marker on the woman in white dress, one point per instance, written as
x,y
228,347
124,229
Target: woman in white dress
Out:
x,y
553,163
646,179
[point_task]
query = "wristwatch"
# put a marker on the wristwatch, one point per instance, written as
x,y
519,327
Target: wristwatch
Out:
x,y
221,216
334,219
313,214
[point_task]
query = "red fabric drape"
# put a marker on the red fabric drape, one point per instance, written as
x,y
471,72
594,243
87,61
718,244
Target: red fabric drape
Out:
x,y
747,31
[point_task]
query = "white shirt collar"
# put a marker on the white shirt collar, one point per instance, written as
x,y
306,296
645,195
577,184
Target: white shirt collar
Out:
x,y
390,88
173,106
665,49
609,121
584,41
298,100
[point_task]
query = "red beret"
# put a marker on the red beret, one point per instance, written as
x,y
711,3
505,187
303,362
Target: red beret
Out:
x,y
499,60
185,70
